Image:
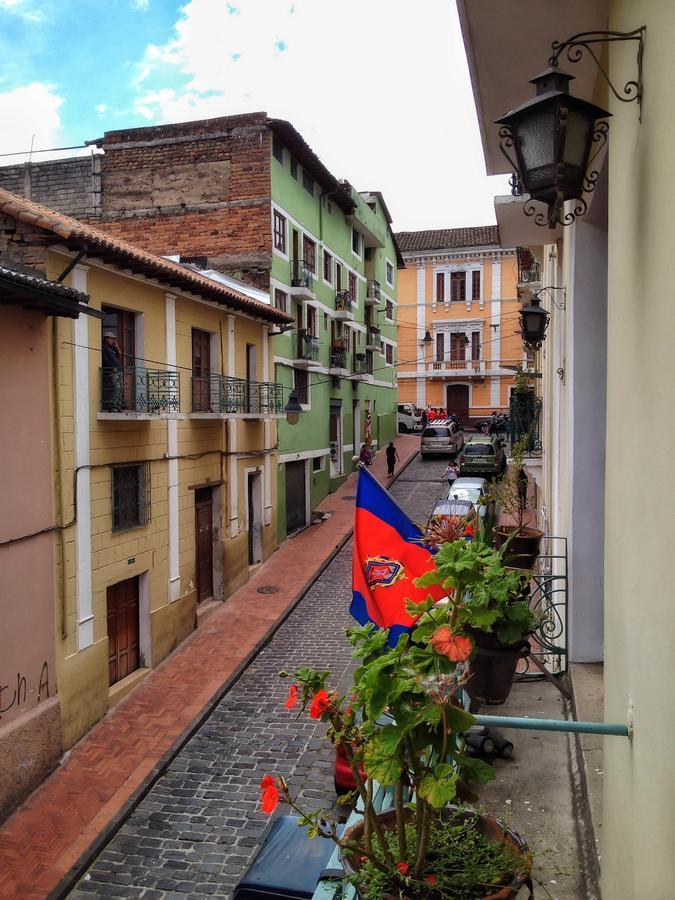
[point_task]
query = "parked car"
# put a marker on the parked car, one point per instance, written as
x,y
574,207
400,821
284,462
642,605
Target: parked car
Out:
x,y
409,418
482,456
442,438
470,490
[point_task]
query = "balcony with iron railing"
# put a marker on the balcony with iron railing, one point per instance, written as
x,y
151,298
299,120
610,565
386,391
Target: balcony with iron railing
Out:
x,y
343,305
524,421
338,360
528,267
216,396
138,392
373,337
308,349
362,371
373,294
302,279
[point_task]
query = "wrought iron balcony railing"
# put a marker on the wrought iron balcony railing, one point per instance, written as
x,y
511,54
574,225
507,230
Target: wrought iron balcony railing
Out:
x,y
308,346
140,390
223,395
374,289
301,275
528,267
524,419
343,301
338,358
360,366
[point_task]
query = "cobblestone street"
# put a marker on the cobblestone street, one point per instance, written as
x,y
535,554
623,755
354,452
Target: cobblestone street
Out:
x,y
199,826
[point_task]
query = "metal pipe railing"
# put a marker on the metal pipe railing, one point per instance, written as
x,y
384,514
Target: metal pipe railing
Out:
x,y
564,725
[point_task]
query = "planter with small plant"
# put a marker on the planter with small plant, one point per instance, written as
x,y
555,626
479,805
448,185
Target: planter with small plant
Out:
x,y
519,542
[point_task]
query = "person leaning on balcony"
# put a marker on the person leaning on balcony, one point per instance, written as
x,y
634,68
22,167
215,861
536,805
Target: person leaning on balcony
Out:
x,y
112,373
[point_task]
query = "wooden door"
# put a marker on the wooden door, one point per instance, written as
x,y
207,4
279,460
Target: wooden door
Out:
x,y
296,515
458,347
123,629
204,542
458,402
201,371
296,254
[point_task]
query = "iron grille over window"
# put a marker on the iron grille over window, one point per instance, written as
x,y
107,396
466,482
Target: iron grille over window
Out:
x,y
130,496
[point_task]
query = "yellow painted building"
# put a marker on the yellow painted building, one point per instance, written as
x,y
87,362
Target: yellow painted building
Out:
x,y
459,291
164,463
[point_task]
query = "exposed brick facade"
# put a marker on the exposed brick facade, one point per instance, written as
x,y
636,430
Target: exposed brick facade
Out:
x,y
194,189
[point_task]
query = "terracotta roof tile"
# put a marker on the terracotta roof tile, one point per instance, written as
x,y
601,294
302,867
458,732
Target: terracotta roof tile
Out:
x,y
448,238
112,249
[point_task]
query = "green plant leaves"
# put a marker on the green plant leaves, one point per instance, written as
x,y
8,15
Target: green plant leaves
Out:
x,y
439,787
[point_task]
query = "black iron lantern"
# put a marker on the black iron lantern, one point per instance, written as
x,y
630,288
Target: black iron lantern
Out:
x,y
293,408
533,323
555,138
427,339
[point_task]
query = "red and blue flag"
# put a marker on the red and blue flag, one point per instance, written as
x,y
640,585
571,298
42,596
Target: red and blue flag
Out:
x,y
388,556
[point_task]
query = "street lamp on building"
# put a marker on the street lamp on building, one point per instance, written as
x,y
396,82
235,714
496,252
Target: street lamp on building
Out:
x,y
555,138
427,339
293,408
533,323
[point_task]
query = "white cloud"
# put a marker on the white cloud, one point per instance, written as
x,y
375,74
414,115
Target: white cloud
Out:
x,y
379,90
23,9
29,113
140,5
101,108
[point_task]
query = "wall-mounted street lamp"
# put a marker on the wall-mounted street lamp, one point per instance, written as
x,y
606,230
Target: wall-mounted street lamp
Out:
x,y
293,408
553,140
533,323
427,339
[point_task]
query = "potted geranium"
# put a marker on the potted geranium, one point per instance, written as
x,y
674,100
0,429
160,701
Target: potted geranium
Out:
x,y
427,844
489,601
521,543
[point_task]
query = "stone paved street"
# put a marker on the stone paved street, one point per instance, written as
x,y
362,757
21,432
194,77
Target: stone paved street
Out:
x,y
198,828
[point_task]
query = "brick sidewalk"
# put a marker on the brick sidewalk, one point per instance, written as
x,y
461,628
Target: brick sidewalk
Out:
x,y
121,755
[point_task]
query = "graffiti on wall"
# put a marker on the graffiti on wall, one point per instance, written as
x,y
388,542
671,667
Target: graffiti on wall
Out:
x,y
17,692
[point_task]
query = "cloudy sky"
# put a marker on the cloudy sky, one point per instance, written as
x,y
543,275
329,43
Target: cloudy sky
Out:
x,y
378,88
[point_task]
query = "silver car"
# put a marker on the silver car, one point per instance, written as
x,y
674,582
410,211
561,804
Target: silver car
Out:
x,y
441,437
474,491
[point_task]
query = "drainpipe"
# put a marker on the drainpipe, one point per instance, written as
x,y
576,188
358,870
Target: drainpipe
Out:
x,y
60,535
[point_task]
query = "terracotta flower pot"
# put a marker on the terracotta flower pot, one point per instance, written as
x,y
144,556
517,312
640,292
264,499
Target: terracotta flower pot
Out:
x,y
492,667
523,549
489,827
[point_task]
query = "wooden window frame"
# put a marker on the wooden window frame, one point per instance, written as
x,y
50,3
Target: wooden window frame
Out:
x,y
301,386
458,286
475,284
440,287
327,267
280,231
280,304
309,253
277,149
125,520
307,182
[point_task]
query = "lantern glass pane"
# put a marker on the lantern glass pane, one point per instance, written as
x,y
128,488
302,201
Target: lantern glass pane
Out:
x,y
535,138
576,151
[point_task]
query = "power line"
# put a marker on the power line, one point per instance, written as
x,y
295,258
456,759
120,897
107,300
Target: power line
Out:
x,y
47,150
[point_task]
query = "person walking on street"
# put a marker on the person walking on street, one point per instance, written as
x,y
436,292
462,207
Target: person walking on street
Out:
x,y
452,472
494,426
425,419
392,458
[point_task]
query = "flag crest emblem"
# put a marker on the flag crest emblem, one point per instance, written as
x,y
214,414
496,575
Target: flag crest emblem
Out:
x,y
383,571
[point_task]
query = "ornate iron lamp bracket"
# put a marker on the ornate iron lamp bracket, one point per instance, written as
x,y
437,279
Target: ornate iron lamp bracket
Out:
x,y
548,292
574,48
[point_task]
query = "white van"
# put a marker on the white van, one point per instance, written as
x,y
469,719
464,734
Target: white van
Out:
x,y
409,418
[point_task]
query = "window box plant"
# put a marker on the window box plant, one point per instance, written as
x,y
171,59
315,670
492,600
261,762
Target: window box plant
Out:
x,y
428,844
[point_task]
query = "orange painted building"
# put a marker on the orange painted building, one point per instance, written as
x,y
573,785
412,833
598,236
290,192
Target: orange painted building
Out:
x,y
459,289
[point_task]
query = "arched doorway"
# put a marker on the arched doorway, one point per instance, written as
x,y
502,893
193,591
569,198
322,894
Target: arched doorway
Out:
x,y
457,402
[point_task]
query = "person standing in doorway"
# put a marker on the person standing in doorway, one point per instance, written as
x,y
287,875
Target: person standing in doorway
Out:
x,y
392,458
113,394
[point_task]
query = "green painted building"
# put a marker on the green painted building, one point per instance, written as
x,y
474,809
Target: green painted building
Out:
x,y
334,269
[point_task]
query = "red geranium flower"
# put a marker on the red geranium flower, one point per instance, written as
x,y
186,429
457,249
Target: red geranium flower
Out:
x,y
292,698
270,794
430,879
456,647
402,867
320,704
468,531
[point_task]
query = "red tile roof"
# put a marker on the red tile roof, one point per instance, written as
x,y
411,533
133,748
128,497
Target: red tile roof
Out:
x,y
99,244
448,238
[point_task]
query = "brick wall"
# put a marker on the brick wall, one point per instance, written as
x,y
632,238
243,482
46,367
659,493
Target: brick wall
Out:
x,y
70,186
193,189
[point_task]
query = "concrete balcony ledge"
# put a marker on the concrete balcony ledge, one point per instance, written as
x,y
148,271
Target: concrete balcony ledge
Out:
x,y
302,292
131,416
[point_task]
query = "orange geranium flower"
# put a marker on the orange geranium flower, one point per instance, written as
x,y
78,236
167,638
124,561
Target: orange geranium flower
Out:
x,y
456,647
270,794
320,704
292,698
